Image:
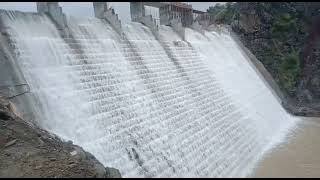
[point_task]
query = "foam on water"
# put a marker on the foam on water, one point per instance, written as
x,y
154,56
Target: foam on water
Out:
x,y
148,107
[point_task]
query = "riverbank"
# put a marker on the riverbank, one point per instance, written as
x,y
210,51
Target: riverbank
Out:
x,y
297,157
27,151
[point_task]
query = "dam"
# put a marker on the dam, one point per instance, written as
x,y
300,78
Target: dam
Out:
x,y
144,99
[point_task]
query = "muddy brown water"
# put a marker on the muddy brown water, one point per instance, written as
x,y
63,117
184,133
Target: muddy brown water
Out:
x,y
299,156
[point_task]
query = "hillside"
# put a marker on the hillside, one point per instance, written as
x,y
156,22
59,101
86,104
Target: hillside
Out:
x,y
283,37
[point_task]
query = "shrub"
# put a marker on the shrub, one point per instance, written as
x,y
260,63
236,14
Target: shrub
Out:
x,y
289,71
284,26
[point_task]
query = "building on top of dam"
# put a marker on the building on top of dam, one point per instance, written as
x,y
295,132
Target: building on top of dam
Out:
x,y
202,17
176,10
175,14
169,11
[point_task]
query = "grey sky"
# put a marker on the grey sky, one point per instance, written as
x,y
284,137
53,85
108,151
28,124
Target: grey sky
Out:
x,y
86,9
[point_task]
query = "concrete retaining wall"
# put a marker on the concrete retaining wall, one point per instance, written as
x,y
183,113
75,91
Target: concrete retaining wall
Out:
x,y
137,11
260,69
12,82
99,9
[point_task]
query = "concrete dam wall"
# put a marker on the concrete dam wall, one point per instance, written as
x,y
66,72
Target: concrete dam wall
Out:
x,y
148,106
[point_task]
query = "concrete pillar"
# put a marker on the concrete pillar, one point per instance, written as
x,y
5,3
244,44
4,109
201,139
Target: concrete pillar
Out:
x,y
187,18
178,27
53,10
102,11
137,11
164,15
42,7
151,24
138,14
99,9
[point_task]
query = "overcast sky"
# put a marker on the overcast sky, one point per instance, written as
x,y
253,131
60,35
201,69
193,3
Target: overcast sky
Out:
x,y
86,8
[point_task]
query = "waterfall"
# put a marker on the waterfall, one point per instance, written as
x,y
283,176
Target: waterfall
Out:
x,y
149,107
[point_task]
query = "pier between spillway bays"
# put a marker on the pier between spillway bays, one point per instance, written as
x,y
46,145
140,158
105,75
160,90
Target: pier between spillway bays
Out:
x,y
175,14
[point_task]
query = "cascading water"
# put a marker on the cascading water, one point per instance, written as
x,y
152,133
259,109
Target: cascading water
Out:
x,y
148,107
234,71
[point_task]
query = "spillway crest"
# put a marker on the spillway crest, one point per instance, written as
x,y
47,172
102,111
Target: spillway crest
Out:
x,y
146,106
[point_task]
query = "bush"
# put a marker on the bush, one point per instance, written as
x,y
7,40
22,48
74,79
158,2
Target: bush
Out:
x,y
289,71
284,26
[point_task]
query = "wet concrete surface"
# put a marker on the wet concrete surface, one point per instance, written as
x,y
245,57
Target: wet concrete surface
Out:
x,y
299,156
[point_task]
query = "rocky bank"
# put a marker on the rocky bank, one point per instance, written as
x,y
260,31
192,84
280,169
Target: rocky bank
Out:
x,y
28,151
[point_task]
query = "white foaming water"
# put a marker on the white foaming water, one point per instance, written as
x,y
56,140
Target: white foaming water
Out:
x,y
42,55
235,72
146,107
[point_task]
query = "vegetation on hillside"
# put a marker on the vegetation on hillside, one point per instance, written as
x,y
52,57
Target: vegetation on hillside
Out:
x,y
279,39
222,13
289,71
